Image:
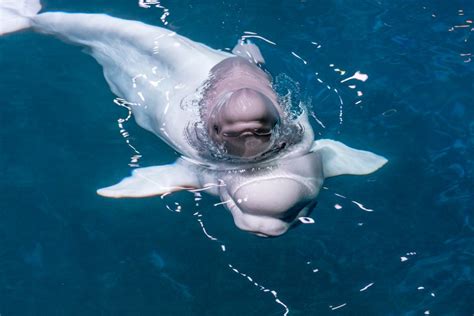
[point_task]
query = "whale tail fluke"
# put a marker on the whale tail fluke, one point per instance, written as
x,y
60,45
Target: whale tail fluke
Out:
x,y
15,15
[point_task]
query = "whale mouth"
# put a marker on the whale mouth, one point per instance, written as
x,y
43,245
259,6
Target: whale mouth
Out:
x,y
282,137
261,131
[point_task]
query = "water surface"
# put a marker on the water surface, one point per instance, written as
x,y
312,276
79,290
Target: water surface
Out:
x,y
66,251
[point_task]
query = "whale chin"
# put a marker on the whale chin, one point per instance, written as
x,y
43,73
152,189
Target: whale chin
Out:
x,y
265,227
288,197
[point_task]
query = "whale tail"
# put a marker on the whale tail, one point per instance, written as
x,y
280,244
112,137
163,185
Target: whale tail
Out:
x,y
15,15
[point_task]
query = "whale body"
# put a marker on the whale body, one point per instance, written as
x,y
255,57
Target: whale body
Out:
x,y
165,77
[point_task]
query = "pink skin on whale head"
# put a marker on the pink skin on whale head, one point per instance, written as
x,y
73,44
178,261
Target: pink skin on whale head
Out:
x,y
244,123
242,108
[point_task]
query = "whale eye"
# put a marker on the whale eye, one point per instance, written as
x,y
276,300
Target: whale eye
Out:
x,y
216,129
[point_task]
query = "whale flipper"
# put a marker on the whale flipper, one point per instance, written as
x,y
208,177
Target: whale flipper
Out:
x,y
338,159
151,181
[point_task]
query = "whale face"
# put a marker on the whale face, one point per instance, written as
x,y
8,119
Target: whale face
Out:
x,y
243,123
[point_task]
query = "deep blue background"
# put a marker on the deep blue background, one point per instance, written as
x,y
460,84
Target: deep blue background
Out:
x,y
66,251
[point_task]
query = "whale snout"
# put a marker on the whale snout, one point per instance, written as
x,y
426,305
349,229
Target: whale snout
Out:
x,y
244,123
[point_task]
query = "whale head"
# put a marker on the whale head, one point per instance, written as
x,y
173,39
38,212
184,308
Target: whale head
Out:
x,y
243,123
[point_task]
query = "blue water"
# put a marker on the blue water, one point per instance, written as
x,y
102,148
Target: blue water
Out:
x,y
66,251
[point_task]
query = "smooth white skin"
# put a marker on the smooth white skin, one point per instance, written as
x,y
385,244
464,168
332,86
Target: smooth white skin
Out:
x,y
151,67
156,69
267,202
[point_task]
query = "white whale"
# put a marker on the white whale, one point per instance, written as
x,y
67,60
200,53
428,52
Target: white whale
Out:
x,y
162,75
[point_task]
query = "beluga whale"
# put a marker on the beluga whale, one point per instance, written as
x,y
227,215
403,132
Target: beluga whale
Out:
x,y
217,109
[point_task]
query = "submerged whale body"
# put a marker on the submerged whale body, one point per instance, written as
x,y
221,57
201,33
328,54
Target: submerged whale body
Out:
x,y
217,109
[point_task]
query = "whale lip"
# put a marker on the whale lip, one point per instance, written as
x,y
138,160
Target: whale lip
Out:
x,y
246,128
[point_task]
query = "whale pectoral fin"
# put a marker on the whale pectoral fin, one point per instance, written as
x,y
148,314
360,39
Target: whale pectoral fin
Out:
x,y
338,159
248,51
151,181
